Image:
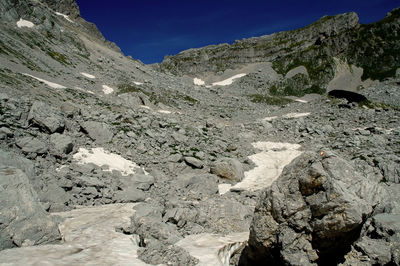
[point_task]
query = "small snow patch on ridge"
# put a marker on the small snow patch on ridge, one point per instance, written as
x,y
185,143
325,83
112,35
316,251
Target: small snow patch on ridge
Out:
x,y
87,75
138,83
229,81
48,83
100,157
65,16
107,90
198,81
164,112
287,116
24,23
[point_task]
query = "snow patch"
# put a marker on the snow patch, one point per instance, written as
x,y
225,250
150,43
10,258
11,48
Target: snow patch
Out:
x,y
89,238
87,75
65,16
274,156
87,91
24,23
300,101
138,83
100,157
213,249
107,90
48,83
198,81
164,112
228,81
287,116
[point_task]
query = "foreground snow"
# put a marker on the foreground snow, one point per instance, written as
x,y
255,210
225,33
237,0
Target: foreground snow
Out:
x,y
213,249
274,156
100,157
89,238
228,81
24,23
48,83
107,90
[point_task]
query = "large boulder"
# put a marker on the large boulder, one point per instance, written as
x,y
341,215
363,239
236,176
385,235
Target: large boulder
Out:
x,y
23,221
99,132
60,144
228,168
312,213
47,118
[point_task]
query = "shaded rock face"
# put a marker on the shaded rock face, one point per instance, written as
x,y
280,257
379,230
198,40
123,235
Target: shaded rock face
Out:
x,y
312,213
259,49
23,221
348,95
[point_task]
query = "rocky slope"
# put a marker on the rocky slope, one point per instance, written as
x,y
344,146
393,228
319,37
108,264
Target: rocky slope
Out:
x,y
85,131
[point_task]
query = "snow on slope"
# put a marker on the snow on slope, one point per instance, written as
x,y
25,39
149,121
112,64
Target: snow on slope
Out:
x,y
48,83
24,23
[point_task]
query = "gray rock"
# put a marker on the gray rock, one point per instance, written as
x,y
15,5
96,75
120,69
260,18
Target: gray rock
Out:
x,y
99,132
31,144
228,168
156,253
14,160
47,118
318,203
23,222
129,194
193,162
376,249
60,144
137,181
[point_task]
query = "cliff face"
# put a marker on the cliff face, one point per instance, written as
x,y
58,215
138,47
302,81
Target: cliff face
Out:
x,y
313,46
260,49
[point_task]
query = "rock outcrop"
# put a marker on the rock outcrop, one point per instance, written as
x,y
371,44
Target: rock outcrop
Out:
x,y
318,211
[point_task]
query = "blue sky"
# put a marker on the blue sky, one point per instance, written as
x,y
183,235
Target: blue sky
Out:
x,y
150,29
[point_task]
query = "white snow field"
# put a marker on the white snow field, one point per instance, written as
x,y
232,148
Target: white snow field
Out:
x,y
48,83
24,23
213,249
198,81
229,81
100,157
88,75
89,238
274,156
65,16
107,89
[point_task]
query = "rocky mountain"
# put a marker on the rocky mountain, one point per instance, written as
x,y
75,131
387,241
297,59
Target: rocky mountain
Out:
x,y
109,161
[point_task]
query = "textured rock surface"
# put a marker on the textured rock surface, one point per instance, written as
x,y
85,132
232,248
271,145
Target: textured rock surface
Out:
x,y
23,220
99,132
313,212
228,168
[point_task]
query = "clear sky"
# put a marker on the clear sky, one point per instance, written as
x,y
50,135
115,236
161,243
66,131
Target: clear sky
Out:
x,y
150,29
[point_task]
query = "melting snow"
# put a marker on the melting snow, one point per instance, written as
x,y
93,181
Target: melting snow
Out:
x,y
287,116
198,81
89,238
300,101
138,83
100,157
48,83
229,81
164,111
274,156
145,107
24,23
87,75
213,249
65,16
107,90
